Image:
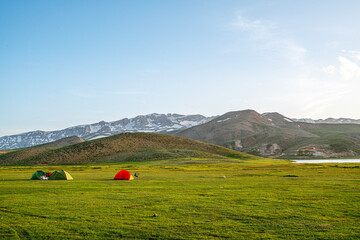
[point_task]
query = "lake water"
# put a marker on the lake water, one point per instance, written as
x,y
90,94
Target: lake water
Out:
x,y
328,161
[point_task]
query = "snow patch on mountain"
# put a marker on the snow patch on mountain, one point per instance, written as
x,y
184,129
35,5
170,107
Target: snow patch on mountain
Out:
x,y
224,120
286,119
144,123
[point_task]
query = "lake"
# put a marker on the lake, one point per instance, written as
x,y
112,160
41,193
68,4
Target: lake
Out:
x,y
328,161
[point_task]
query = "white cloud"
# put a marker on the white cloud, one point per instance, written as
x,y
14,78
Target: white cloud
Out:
x,y
329,91
331,69
293,51
353,54
348,69
258,29
309,90
269,36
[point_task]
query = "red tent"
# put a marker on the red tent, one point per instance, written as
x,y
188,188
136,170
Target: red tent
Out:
x,y
123,175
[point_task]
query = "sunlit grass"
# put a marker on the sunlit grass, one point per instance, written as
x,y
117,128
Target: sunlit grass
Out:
x,y
192,199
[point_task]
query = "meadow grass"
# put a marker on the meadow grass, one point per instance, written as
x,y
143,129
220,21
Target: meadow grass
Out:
x,y
268,199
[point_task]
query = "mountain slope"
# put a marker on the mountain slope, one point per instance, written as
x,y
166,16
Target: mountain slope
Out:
x,y
274,134
238,125
144,123
122,148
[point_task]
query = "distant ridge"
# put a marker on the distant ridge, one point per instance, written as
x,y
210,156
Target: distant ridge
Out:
x,y
329,120
17,155
144,123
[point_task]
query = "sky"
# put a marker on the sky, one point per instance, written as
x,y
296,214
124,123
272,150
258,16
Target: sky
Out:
x,y
65,63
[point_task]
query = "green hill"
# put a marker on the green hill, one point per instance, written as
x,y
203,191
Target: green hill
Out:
x,y
121,148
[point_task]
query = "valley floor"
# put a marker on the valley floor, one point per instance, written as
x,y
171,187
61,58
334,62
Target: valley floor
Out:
x,y
193,200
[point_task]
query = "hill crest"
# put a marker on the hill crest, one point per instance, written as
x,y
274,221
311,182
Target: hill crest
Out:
x,y
122,148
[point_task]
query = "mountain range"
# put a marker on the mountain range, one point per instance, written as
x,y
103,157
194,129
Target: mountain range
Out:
x,y
267,134
329,120
154,123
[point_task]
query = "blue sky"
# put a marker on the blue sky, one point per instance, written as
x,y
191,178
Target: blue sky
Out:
x,y
65,63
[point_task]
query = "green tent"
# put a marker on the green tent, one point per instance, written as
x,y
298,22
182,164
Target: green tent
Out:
x,y
60,175
37,175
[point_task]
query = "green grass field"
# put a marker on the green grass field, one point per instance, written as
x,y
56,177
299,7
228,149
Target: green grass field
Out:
x,y
267,199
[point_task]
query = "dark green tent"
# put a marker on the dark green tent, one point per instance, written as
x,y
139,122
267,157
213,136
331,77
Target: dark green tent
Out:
x,y
37,175
60,175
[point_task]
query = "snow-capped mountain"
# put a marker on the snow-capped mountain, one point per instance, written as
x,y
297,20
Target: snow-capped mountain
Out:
x,y
143,123
329,120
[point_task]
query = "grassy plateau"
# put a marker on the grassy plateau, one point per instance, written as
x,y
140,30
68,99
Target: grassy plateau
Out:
x,y
257,199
